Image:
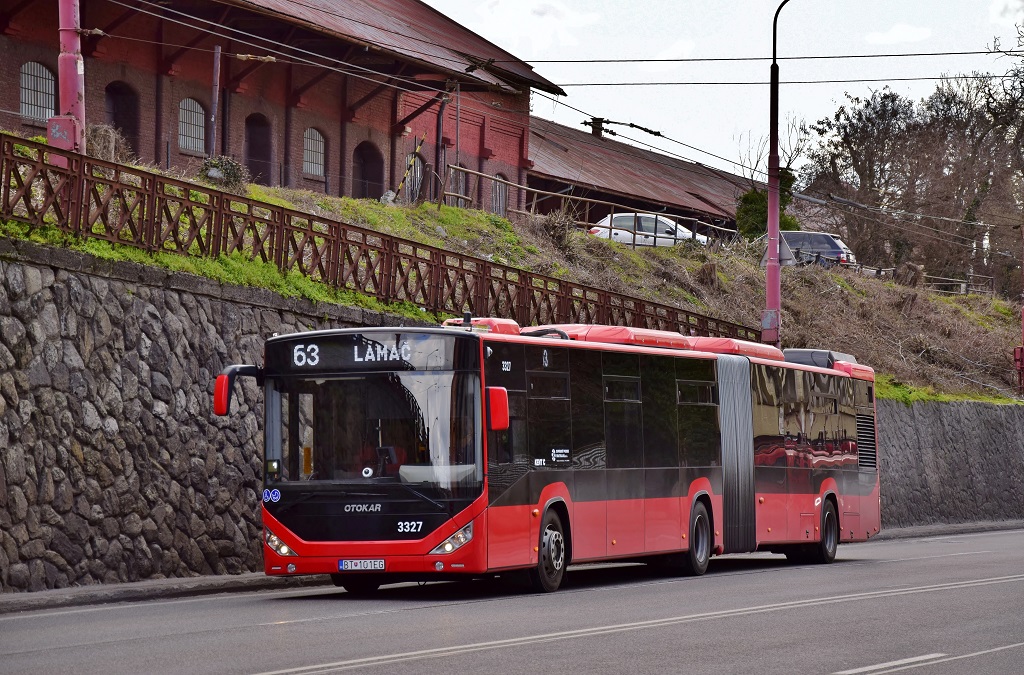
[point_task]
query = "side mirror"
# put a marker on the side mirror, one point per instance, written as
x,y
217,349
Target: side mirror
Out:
x,y
225,385
497,408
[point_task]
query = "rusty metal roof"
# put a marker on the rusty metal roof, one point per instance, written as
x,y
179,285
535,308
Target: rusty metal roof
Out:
x,y
410,30
579,158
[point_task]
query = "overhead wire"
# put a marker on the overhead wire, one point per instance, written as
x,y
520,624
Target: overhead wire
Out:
x,y
696,166
765,83
472,106
713,59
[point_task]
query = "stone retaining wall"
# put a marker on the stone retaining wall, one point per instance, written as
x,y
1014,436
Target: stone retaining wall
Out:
x,y
112,465
951,462
113,468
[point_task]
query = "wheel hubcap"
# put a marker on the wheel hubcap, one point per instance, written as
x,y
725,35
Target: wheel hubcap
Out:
x,y
700,538
830,532
554,549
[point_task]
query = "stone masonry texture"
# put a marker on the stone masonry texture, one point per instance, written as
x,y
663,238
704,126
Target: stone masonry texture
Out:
x,y
113,467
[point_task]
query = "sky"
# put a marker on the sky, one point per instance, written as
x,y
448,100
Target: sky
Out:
x,y
731,121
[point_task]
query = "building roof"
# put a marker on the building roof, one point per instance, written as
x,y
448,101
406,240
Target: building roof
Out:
x,y
579,158
410,30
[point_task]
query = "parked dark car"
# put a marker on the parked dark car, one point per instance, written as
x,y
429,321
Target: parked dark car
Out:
x,y
820,247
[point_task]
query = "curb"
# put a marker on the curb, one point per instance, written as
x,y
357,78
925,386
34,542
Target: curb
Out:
x,y
248,582
100,594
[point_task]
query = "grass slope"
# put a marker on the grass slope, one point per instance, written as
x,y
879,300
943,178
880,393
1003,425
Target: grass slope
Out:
x,y
924,346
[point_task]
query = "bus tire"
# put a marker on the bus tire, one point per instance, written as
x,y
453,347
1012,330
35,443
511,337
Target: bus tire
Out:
x,y
695,560
547,576
824,551
357,585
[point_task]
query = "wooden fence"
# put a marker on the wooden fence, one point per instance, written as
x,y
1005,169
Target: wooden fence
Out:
x,y
91,198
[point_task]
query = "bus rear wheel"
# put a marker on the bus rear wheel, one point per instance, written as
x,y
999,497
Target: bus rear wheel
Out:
x,y
357,585
695,561
824,552
551,557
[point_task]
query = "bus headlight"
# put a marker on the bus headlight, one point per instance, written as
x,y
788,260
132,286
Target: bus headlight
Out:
x,y
455,542
275,543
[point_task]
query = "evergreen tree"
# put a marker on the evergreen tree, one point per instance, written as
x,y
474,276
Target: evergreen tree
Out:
x,y
752,212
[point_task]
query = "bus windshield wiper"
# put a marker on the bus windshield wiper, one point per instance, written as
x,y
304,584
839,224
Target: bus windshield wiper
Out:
x,y
440,506
304,497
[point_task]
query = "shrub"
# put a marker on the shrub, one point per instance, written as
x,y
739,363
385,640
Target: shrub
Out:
x,y
225,172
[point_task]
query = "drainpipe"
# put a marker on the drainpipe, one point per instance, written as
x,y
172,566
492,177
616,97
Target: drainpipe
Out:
x,y
69,133
439,167
213,101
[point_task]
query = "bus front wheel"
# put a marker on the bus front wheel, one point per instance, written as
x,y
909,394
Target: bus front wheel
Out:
x,y
551,557
695,560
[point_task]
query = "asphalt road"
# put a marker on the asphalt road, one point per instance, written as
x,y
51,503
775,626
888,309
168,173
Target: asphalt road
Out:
x,y
946,604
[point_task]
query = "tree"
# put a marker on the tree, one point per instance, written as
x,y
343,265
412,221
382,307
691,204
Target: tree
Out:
x,y
940,178
752,212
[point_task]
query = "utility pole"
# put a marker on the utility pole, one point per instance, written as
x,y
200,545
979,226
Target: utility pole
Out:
x,y
771,319
1018,352
67,130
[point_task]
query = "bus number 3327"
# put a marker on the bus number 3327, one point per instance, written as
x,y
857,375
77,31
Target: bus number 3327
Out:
x,y
478,448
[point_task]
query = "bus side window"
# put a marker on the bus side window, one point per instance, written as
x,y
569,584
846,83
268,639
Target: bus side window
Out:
x,y
661,434
698,423
587,409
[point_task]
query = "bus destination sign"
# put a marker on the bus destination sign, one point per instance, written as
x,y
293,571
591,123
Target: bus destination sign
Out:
x,y
326,352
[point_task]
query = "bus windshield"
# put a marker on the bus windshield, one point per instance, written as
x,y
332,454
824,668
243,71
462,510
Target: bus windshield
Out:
x,y
409,427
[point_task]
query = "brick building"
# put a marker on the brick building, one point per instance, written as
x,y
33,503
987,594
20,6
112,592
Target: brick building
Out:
x,y
575,162
340,97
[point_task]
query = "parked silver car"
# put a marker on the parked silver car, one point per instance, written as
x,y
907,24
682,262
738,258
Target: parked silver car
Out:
x,y
644,229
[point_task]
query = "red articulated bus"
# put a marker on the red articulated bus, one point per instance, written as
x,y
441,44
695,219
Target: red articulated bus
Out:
x,y
479,448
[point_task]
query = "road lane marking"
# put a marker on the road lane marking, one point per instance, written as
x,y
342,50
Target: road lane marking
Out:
x,y
930,557
889,664
953,658
440,652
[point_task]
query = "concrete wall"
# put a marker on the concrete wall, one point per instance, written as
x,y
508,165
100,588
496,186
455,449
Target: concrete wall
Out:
x,y
113,468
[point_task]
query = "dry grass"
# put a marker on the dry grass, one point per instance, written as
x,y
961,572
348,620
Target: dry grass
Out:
x,y
961,345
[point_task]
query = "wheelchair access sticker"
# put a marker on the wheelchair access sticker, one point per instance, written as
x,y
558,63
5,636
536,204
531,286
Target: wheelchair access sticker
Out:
x,y
271,495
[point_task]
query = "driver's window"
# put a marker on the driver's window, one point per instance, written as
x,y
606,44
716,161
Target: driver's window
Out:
x,y
623,223
646,225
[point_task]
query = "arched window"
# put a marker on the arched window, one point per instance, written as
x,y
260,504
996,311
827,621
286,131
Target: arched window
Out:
x,y
367,171
37,92
413,178
122,111
499,196
191,126
314,153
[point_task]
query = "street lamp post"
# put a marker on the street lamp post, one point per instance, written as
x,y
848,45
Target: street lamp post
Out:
x,y
771,319
67,130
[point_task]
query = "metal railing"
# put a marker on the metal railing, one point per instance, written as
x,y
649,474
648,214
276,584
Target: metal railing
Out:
x,y
629,234
90,198
974,284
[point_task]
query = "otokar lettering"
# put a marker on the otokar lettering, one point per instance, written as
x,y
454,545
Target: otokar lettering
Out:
x,y
362,508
